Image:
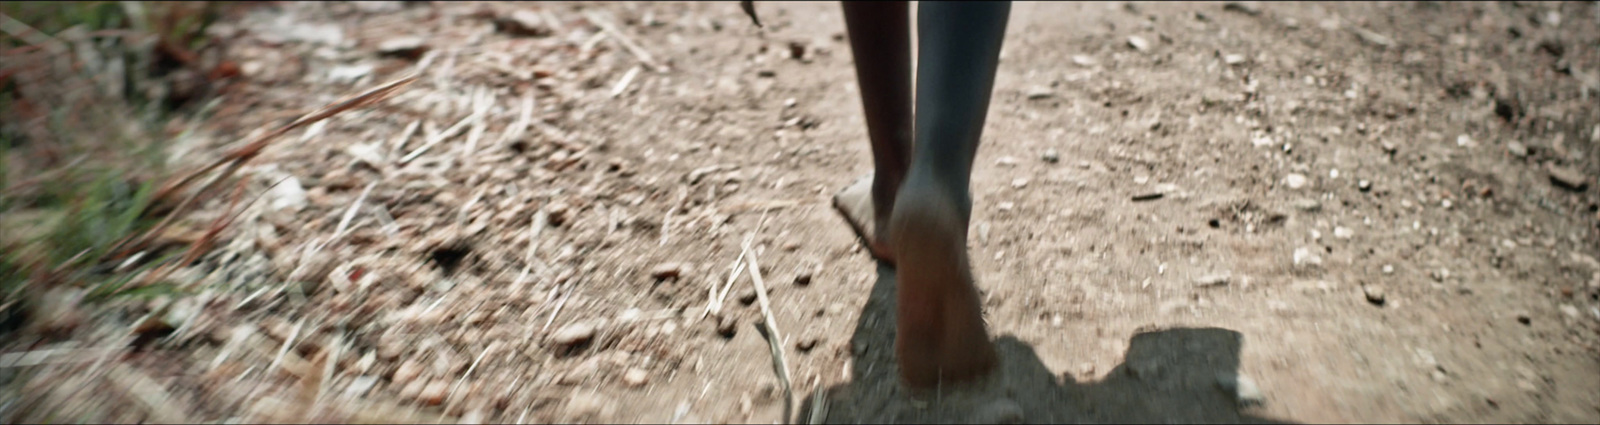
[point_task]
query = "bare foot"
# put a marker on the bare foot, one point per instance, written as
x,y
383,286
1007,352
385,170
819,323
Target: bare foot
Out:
x,y
854,203
941,338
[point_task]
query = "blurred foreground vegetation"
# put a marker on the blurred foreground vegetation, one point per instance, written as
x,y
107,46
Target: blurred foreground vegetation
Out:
x,y
87,90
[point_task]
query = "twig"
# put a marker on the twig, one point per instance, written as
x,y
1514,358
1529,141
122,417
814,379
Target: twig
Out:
x,y
315,247
622,85
331,363
288,342
236,159
464,376
626,41
466,209
714,302
588,45
405,135
524,118
350,214
666,220
559,304
435,139
203,244
540,220
769,328
480,108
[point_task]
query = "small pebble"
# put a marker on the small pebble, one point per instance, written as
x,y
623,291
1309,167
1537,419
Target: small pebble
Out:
x,y
434,393
412,390
584,403
1295,180
574,334
1388,269
1051,156
1517,149
803,278
409,47
1006,161
1568,178
665,271
1342,232
1211,280
1040,93
1242,388
1084,60
1148,196
524,22
1374,294
1308,205
806,344
635,377
578,374
1307,257
407,372
1020,182
727,326
1246,7
1569,310
1138,43
1524,318
1364,185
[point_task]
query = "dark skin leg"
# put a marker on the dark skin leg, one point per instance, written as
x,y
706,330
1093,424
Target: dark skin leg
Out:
x,y
940,333
880,37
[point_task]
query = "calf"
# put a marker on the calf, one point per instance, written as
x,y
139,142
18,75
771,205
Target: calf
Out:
x,y
913,211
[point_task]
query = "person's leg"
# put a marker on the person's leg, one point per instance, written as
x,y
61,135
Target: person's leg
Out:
x,y
941,336
880,41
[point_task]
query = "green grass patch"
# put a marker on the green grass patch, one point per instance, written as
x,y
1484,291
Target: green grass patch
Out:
x,y
77,171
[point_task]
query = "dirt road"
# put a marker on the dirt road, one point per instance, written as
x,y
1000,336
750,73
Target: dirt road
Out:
x,y
1289,212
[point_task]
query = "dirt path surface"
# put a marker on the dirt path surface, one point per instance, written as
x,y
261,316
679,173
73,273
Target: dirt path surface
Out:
x,y
1289,212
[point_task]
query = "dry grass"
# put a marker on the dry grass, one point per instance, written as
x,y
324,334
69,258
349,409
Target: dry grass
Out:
x,y
92,95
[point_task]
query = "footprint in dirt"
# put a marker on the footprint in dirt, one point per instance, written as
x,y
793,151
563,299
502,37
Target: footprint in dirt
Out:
x,y
1168,376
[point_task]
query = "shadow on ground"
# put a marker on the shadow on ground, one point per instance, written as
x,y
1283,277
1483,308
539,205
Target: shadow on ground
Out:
x,y
1168,376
